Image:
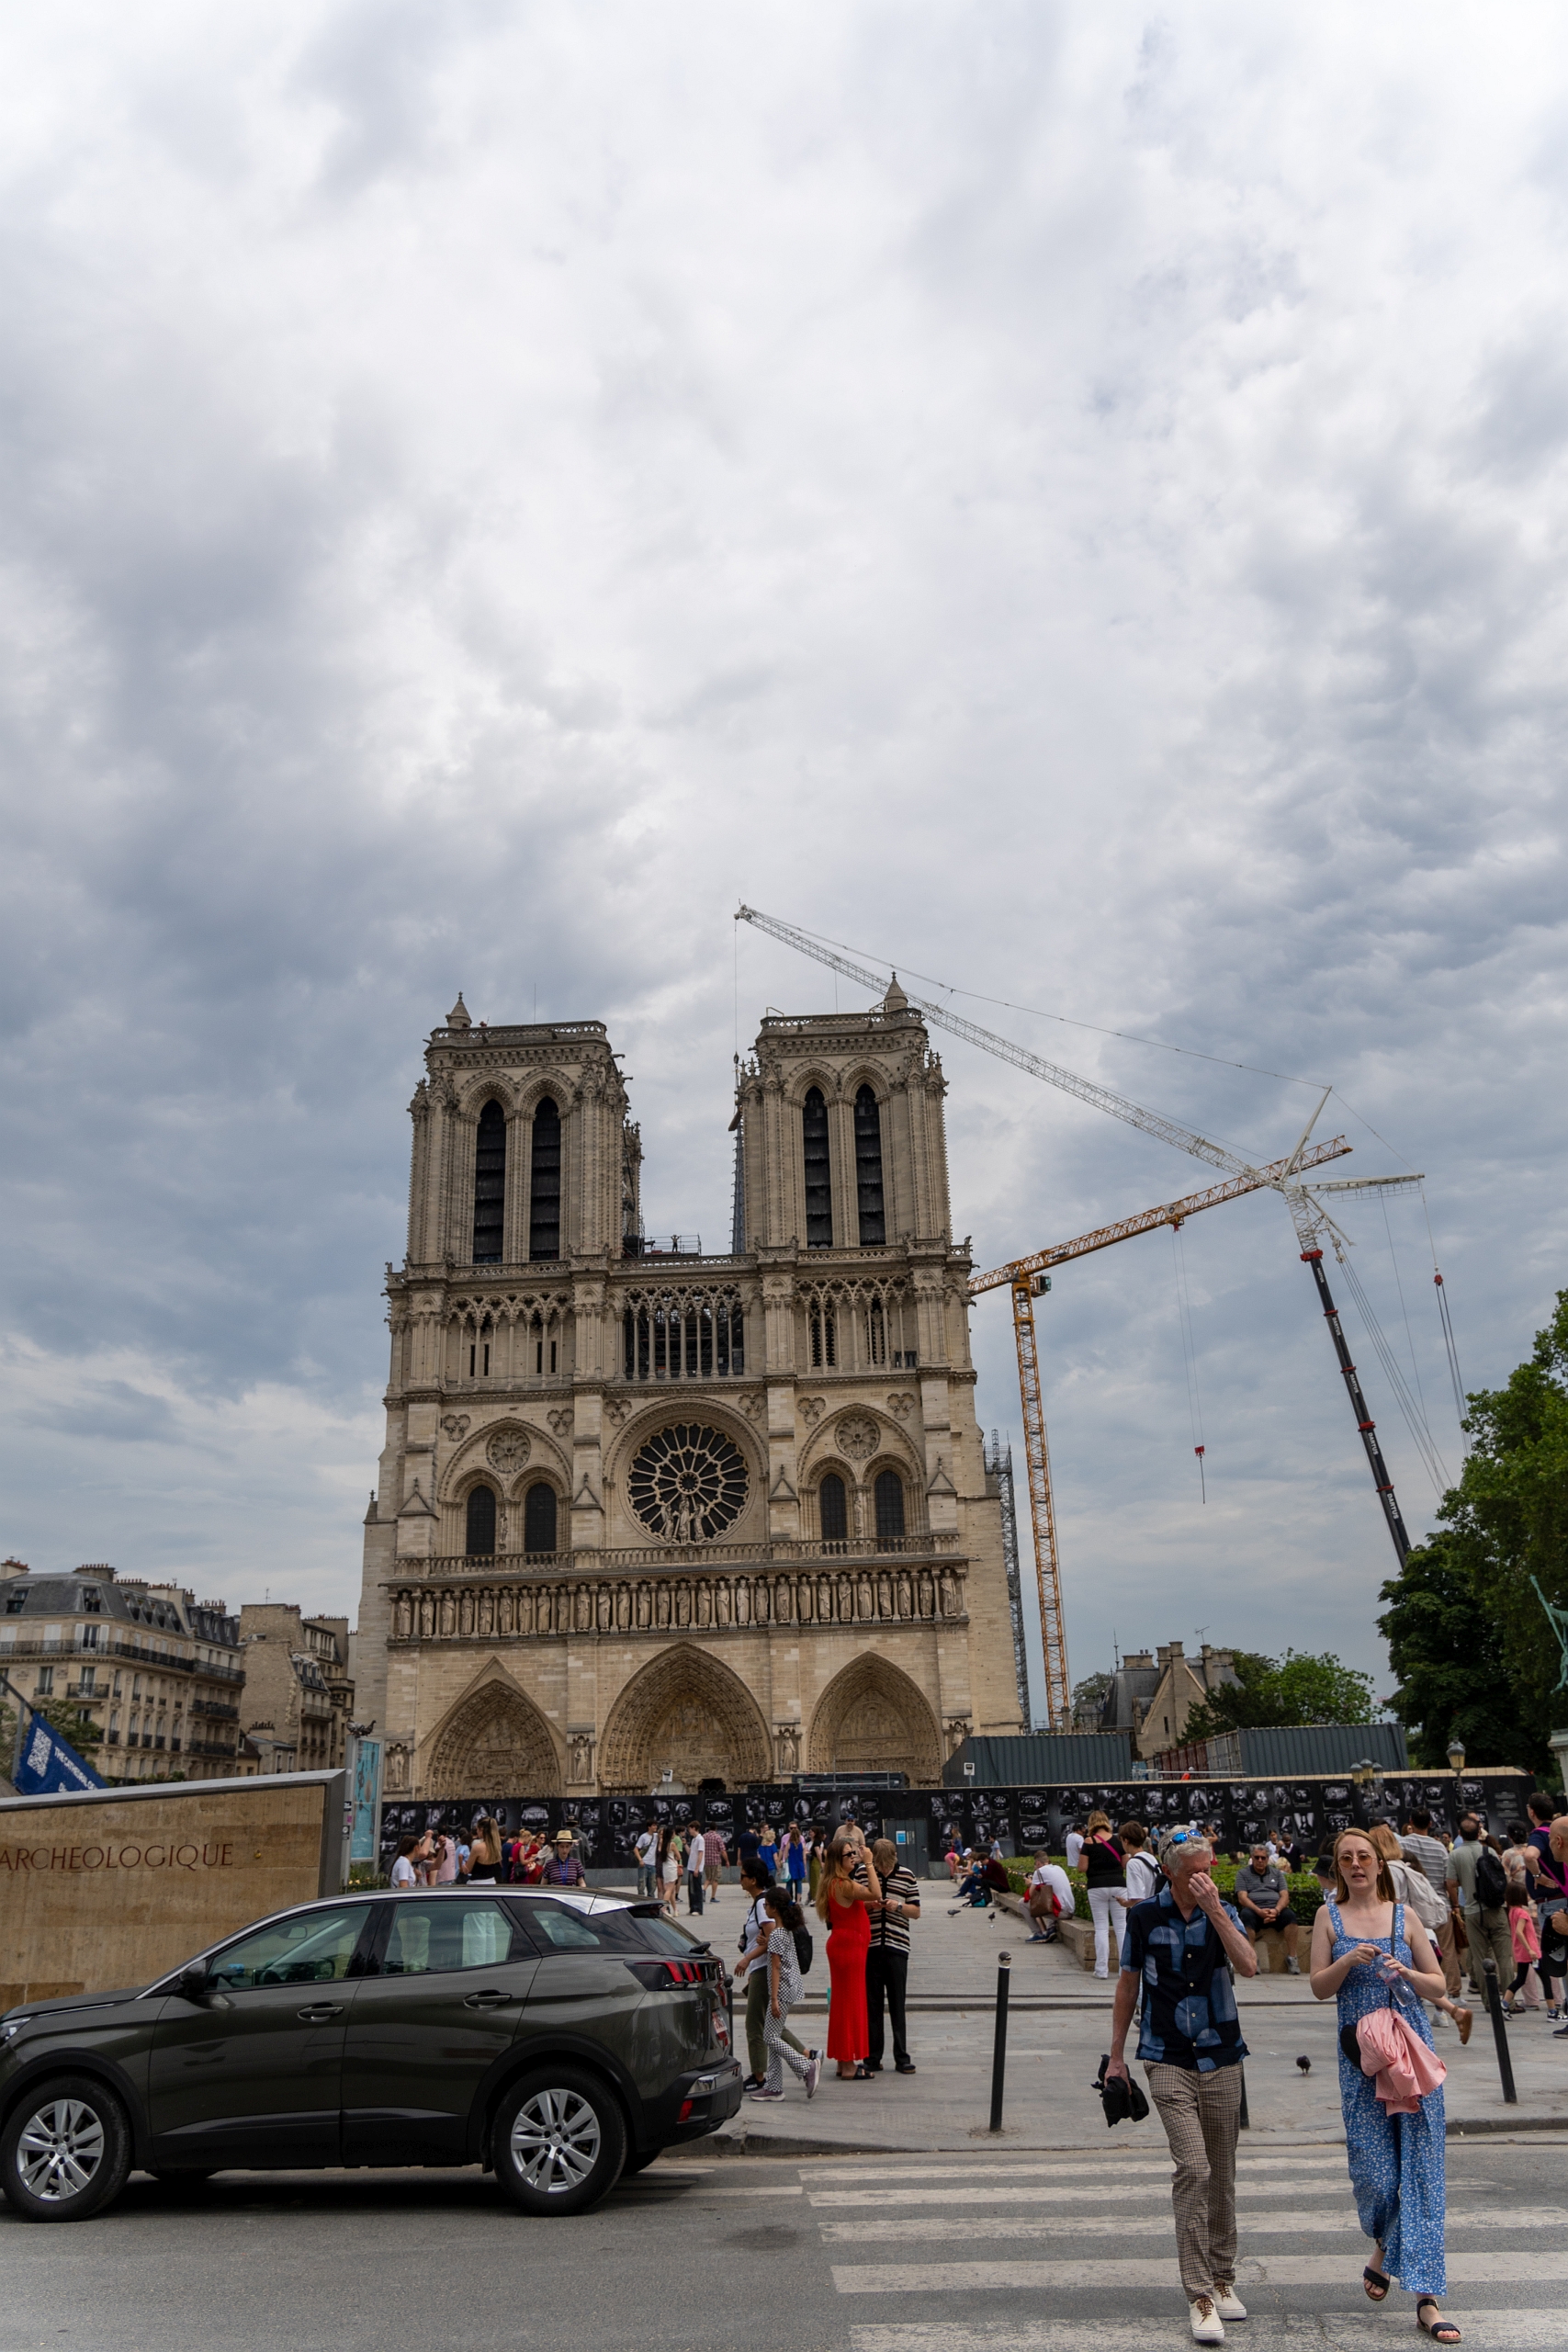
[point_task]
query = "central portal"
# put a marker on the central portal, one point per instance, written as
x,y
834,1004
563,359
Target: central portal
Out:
x,y
688,1712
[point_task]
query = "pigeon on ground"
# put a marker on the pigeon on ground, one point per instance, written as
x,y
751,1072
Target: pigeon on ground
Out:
x,y
1305,2066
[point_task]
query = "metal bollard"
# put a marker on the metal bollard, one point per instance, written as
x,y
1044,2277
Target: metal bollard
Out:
x,y
1499,2030
999,2047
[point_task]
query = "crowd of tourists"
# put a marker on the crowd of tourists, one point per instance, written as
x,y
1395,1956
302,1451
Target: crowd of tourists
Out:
x,y
487,1857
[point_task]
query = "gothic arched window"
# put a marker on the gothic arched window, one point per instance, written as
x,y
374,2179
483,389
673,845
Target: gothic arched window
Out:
x,y
831,1509
868,1171
544,1183
490,1186
818,1173
479,1534
890,1495
539,1519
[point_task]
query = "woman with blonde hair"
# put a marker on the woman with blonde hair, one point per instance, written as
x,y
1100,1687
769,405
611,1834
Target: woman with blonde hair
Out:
x,y
1367,1947
484,1854
843,1900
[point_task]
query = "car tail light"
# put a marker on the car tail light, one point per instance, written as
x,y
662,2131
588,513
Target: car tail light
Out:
x,y
663,1975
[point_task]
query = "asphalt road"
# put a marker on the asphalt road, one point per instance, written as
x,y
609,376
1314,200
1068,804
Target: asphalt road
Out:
x,y
988,2252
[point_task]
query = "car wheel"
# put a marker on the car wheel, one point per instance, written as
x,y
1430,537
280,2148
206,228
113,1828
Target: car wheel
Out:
x,y
65,2151
560,2142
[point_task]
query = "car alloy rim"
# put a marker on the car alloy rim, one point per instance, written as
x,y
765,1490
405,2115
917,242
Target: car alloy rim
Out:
x,y
59,2150
555,2140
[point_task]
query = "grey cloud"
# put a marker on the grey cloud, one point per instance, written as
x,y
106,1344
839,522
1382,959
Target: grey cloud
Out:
x,y
105,1409
994,487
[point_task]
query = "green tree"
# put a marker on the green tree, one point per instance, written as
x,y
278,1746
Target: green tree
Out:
x,y
72,1723
1463,1608
1447,1653
1088,1697
1303,1686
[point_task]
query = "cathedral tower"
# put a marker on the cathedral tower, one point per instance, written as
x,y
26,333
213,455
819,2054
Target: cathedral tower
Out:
x,y
640,1509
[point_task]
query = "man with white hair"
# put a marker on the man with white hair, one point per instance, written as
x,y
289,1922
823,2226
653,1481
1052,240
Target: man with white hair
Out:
x,y
1181,1946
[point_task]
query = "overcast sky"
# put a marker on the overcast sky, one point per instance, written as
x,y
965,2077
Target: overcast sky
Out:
x,y
1070,499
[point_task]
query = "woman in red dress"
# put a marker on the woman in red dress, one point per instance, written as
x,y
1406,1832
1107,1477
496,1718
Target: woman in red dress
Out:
x,y
843,1901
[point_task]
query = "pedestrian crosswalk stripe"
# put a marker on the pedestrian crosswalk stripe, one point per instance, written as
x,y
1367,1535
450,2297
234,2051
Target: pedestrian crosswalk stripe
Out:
x,y
1154,2183
1314,2222
1097,2171
1497,2330
1501,2268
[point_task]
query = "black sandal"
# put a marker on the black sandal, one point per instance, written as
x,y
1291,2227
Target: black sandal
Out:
x,y
1440,2330
1376,2285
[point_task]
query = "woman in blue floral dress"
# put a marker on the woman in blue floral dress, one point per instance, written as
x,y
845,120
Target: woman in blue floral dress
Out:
x,y
1366,1947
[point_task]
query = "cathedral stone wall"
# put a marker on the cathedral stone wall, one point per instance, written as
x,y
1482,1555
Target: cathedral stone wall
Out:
x,y
722,1516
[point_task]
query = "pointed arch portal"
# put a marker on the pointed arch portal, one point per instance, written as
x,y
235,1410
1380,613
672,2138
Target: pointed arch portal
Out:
x,y
495,1742
871,1718
685,1710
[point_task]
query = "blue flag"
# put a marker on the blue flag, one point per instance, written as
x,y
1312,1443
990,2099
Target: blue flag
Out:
x,y
50,1766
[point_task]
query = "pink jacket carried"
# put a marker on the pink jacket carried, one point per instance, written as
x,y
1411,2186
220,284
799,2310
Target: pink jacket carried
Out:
x,y
1404,2068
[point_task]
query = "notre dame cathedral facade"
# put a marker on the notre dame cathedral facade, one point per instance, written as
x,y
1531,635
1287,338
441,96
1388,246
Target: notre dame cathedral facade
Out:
x,y
643,1510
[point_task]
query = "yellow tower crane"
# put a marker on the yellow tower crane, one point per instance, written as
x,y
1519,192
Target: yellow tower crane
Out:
x,y
1026,1277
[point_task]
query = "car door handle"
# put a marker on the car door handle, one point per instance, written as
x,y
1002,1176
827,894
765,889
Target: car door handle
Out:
x,y
487,2000
320,2011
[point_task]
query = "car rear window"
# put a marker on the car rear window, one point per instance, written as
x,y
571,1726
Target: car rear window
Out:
x,y
556,1926
651,1931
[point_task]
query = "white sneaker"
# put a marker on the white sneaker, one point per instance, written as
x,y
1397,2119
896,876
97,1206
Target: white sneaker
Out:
x,y
1206,2327
1227,2303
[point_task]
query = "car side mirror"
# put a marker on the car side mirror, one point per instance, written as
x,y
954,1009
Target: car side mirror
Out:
x,y
192,1981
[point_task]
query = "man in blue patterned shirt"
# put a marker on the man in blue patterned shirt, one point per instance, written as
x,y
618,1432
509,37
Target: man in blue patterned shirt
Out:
x,y
1180,1947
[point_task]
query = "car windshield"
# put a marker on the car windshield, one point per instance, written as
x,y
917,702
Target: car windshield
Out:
x,y
312,1947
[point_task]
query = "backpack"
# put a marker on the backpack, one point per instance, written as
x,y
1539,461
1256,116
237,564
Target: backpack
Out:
x,y
1417,1892
803,1949
1491,1882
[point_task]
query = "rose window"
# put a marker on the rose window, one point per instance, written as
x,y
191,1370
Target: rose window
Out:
x,y
688,1483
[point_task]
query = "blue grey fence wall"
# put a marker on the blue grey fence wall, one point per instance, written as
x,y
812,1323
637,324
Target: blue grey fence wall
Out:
x,y
1234,1812
1323,1747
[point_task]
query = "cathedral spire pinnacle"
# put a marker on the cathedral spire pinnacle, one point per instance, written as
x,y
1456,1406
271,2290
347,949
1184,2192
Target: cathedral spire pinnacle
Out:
x,y
895,1000
459,1016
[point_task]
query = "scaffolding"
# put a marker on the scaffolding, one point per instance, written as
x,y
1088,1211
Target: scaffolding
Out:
x,y
999,1465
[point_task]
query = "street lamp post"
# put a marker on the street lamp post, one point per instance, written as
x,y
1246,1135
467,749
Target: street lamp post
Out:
x,y
1456,1765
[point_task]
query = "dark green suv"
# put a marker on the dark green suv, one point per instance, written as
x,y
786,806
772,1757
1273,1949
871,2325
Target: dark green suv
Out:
x,y
557,2037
